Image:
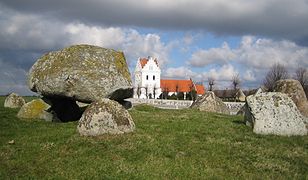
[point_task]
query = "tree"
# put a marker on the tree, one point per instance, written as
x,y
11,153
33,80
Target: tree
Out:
x,y
146,91
138,90
154,91
165,92
177,88
235,84
276,72
211,83
192,92
236,81
302,77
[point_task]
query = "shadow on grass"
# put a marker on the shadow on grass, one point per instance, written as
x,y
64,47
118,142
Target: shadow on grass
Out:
x,y
239,122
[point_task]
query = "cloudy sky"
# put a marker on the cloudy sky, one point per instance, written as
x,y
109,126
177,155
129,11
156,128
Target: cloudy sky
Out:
x,y
190,38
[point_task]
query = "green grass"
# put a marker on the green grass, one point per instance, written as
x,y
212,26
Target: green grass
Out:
x,y
167,144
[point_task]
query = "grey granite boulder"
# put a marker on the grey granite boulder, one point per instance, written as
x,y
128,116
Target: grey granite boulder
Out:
x,y
210,103
295,91
14,101
274,113
105,117
82,72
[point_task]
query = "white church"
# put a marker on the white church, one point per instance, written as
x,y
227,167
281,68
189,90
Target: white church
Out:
x,y
149,85
147,79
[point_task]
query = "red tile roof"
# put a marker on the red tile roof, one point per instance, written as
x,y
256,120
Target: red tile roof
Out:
x,y
144,61
200,89
173,85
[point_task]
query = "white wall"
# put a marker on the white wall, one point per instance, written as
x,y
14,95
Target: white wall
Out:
x,y
150,69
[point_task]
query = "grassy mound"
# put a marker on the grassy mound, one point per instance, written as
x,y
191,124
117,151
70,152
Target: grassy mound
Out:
x,y
168,144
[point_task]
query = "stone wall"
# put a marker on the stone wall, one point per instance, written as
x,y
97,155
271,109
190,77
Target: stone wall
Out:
x,y
234,107
162,103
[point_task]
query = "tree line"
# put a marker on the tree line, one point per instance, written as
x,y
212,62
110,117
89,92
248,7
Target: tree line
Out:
x,y
275,73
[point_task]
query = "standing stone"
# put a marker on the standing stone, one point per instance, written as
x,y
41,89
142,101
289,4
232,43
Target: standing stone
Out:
x,y
295,91
210,103
105,117
14,101
260,90
35,109
274,113
240,96
82,72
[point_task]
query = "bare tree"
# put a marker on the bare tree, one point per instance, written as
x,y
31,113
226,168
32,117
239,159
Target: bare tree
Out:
x,y
146,91
211,83
277,72
236,81
154,91
138,90
302,76
177,88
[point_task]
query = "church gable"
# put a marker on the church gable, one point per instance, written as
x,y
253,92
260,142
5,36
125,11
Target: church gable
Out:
x,y
149,64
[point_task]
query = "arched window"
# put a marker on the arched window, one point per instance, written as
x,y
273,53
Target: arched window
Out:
x,y
147,77
153,77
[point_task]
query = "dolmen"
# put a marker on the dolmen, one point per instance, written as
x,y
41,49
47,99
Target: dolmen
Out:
x,y
88,74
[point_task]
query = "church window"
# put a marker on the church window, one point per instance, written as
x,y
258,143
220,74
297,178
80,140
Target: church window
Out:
x,y
147,77
153,77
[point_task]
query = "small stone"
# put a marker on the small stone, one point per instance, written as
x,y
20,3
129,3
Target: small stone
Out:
x,y
295,91
35,109
210,103
14,101
11,142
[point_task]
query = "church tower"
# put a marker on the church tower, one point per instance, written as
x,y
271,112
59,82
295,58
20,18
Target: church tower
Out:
x,y
147,79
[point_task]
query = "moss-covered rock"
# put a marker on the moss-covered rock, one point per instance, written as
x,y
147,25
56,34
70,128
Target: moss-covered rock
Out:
x,y
14,101
35,109
210,103
295,91
105,117
82,72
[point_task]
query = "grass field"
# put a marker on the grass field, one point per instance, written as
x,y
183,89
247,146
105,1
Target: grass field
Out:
x,y
167,144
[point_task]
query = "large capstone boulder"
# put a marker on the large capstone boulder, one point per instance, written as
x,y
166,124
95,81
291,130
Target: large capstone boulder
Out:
x,y
105,117
274,113
14,101
210,103
35,109
295,91
82,72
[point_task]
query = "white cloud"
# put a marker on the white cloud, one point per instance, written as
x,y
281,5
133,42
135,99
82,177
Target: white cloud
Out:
x,y
262,53
254,55
130,41
179,73
223,73
95,35
22,34
220,55
249,76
